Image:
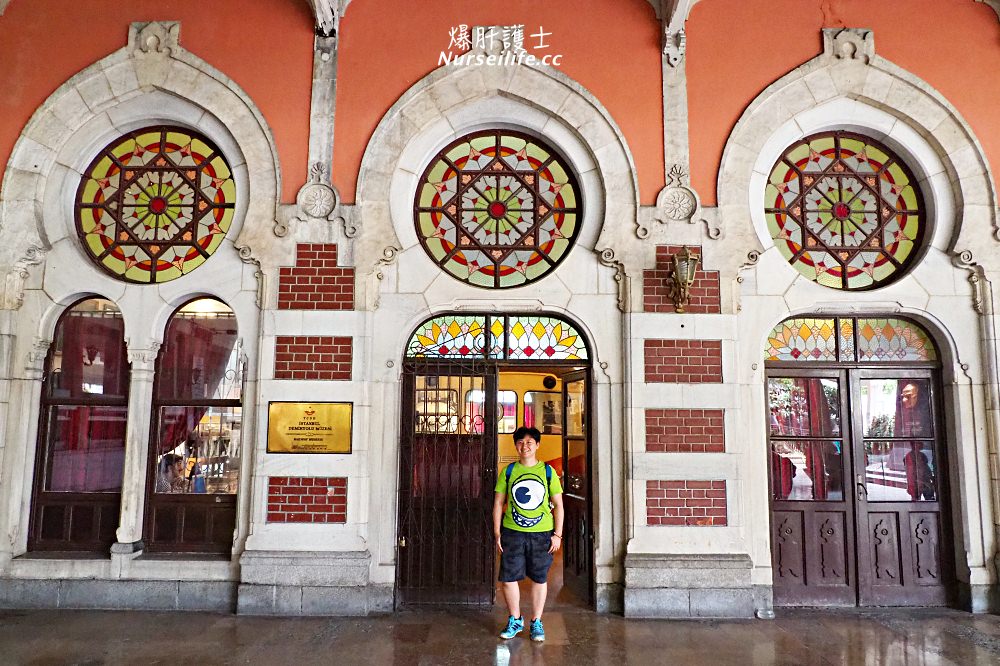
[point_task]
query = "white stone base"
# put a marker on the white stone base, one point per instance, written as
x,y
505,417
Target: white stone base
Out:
x,y
694,586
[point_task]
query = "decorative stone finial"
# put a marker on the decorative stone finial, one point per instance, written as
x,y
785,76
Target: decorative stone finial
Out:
x,y
156,37
849,43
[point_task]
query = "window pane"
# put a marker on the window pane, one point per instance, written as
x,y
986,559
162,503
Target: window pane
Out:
x,y
85,449
543,410
900,471
804,406
449,404
199,450
200,357
896,408
807,470
575,418
88,355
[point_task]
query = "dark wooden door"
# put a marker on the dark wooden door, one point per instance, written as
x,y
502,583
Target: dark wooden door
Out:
x,y
812,520
446,550
578,539
904,553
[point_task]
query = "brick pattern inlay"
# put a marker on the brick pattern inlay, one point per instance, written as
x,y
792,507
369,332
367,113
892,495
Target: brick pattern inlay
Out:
x,y
685,430
312,357
705,293
684,361
698,503
315,282
306,499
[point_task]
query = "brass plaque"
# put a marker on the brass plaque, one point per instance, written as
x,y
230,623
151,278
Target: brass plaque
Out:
x,y
309,427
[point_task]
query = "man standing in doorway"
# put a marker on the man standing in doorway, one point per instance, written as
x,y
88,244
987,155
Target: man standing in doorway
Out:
x,y
528,531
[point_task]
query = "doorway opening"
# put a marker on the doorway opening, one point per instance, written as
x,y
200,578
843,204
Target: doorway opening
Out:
x,y
859,493
462,399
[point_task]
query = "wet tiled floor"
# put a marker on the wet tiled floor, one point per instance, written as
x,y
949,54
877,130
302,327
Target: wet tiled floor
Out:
x,y
574,636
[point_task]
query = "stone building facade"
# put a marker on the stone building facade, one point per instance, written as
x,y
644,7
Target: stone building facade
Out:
x,y
743,447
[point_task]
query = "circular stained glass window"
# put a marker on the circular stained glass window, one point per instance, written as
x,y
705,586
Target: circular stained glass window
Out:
x,y
155,204
844,210
497,209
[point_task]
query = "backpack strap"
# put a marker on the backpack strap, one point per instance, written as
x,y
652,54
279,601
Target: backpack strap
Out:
x,y
510,470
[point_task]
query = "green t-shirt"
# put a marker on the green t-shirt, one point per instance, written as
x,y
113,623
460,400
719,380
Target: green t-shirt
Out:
x,y
528,498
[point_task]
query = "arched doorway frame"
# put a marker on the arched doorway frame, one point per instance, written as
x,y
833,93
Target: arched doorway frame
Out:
x,y
403,287
948,449
417,476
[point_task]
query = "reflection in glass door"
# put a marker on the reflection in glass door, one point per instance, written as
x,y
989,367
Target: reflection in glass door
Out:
x,y
856,488
812,510
901,531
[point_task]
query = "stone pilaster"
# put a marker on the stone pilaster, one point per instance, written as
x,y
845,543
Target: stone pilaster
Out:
x,y
140,408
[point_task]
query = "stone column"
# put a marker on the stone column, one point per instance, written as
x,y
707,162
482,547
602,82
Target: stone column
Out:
x,y
140,407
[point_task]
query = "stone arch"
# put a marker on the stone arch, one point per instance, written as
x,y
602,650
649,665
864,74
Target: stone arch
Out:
x,y
863,90
151,79
453,100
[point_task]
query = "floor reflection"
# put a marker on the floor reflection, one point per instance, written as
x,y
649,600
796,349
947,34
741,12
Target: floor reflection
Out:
x,y
574,636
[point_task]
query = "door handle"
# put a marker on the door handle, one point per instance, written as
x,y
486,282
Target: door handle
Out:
x,y
861,489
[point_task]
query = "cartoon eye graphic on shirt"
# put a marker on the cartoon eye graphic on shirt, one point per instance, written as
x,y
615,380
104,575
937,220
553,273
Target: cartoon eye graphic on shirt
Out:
x,y
528,493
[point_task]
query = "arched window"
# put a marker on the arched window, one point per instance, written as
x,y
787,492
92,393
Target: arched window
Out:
x,y
844,211
196,445
497,209
510,337
81,440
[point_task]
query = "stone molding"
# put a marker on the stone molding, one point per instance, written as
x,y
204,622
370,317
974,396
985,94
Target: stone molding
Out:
x,y
151,66
861,89
442,105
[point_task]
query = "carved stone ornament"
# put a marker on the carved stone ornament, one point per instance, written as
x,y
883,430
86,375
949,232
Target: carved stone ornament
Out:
x,y
156,37
13,288
849,43
317,199
327,14
36,356
966,261
676,202
674,45
608,258
143,359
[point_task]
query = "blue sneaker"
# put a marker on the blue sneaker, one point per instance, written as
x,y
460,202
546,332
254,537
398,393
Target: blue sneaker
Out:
x,y
537,630
515,625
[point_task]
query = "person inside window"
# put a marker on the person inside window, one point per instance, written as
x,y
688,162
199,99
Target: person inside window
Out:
x,y
170,474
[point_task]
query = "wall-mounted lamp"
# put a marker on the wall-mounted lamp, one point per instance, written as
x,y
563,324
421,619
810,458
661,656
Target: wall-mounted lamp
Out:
x,y
685,270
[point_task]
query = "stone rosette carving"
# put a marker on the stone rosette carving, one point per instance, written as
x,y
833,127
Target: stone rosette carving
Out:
x,y
317,199
676,202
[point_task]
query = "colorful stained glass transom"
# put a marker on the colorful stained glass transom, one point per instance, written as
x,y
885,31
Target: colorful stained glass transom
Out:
x,y
844,210
847,339
497,209
155,204
523,338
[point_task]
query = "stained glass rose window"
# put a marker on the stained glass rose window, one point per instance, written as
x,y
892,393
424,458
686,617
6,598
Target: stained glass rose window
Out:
x,y
844,210
497,209
155,204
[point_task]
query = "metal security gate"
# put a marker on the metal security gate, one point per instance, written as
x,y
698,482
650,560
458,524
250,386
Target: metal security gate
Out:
x,y
447,471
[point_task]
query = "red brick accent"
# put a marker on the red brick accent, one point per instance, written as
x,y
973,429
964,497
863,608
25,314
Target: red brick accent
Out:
x,y
312,357
705,294
315,282
684,361
700,503
685,430
306,499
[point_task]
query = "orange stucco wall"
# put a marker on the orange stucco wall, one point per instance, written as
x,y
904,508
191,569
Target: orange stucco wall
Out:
x,y
263,45
611,47
736,49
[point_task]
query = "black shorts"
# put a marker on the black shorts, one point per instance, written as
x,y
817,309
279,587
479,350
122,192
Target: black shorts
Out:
x,y
524,554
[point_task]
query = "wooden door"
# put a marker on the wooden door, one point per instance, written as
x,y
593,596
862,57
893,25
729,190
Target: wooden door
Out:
x,y
904,535
812,519
446,549
578,538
